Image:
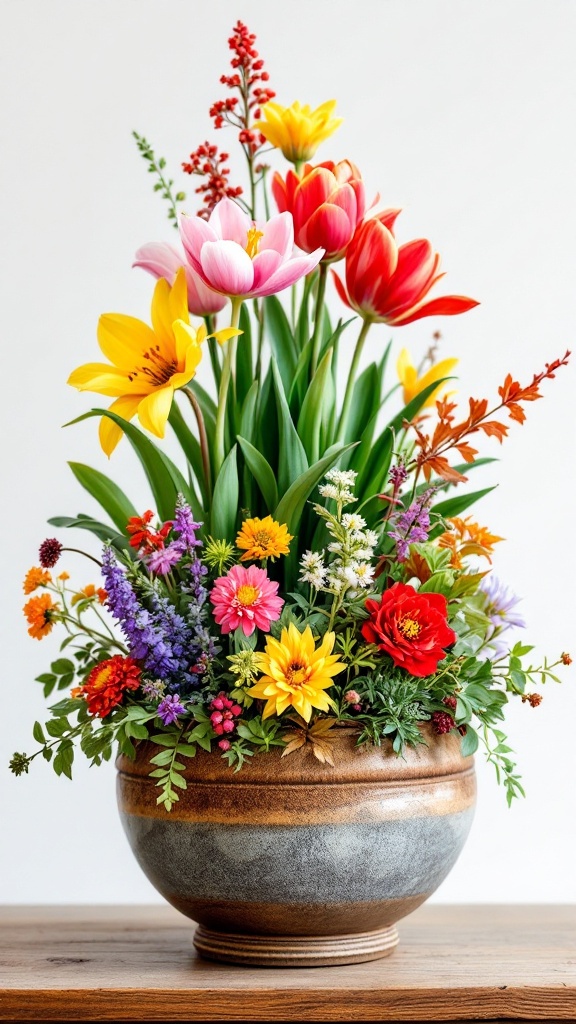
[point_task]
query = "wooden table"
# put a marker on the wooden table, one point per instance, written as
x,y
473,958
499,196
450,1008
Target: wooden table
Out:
x,y
137,963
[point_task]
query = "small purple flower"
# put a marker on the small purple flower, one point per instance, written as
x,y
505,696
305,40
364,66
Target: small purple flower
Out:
x,y
499,606
185,526
170,708
154,690
412,525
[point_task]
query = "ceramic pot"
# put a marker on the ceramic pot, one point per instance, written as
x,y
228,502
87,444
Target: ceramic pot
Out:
x,y
290,862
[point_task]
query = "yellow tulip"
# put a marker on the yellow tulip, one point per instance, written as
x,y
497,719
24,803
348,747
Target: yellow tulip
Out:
x,y
147,364
298,130
413,384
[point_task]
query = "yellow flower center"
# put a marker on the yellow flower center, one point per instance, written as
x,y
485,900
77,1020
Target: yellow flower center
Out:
x,y
158,369
263,538
101,678
254,236
297,674
409,627
247,595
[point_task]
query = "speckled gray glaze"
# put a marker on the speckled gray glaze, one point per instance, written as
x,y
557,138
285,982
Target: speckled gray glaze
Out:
x,y
298,864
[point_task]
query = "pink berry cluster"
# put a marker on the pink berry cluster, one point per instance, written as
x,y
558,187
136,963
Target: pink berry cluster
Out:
x,y
442,722
224,712
352,697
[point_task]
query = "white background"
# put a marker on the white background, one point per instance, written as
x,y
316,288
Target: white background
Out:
x,y
462,112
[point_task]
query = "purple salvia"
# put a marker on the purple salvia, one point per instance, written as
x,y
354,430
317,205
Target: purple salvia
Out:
x,y
170,708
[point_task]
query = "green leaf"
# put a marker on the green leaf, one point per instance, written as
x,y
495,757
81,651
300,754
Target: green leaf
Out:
x,y
225,499
101,530
107,493
261,471
310,418
455,506
281,339
62,666
248,418
165,479
244,363
38,733
469,742
289,509
190,446
292,458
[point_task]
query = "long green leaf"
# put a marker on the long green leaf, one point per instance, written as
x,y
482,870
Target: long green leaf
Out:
x,y
244,362
281,339
460,502
290,506
310,419
292,461
248,418
101,530
190,445
108,495
165,479
225,499
261,471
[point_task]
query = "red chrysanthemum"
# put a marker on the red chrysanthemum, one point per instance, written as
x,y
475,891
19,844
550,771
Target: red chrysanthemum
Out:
x,y
108,682
411,627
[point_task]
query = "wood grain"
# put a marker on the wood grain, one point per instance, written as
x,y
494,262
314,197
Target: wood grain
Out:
x,y
137,963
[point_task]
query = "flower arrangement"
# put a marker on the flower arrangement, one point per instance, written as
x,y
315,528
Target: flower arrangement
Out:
x,y
308,565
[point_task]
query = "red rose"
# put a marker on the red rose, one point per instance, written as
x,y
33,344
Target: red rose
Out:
x,y
411,627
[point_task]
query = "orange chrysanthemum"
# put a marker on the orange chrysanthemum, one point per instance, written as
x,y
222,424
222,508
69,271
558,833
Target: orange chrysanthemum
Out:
x,y
35,578
107,684
41,613
89,592
467,538
263,538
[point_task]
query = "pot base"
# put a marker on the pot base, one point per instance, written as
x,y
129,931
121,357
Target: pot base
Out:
x,y
295,950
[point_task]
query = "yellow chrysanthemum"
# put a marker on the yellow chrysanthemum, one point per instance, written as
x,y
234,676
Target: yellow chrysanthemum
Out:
x,y
35,578
263,538
295,673
147,364
413,384
298,130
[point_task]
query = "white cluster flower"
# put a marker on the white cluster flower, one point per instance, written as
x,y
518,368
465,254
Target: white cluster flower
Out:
x,y
340,486
313,570
352,521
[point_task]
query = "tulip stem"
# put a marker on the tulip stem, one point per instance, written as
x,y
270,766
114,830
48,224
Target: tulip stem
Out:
x,y
318,317
351,380
225,387
203,438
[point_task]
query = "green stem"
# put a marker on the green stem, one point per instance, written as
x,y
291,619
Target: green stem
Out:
x,y
260,319
78,551
202,436
213,349
225,387
318,316
352,379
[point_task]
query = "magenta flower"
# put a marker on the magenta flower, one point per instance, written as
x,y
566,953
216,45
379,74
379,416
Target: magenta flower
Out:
x,y
236,257
245,598
163,260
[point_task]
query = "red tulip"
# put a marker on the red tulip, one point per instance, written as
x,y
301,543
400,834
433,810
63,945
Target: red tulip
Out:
x,y
327,204
388,283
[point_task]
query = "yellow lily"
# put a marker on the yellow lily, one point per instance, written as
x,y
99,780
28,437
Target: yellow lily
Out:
x,y
298,130
147,364
413,384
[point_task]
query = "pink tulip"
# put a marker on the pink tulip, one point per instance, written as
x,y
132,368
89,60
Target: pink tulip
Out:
x,y
163,260
236,257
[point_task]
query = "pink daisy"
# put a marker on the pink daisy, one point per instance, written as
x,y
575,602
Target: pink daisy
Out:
x,y
245,598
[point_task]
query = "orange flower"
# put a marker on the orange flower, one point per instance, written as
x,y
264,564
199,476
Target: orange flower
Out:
x,y
88,593
41,613
35,578
467,538
107,684
64,576
263,538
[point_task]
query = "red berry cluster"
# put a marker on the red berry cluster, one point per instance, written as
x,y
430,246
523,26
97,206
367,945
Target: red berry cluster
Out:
x,y
208,163
247,77
49,553
224,712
